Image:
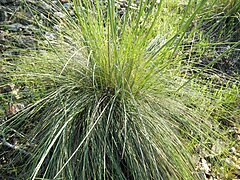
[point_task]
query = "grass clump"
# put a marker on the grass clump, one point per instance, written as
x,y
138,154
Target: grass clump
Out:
x,y
116,104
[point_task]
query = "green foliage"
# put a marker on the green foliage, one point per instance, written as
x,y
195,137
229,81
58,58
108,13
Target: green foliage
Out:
x,y
116,101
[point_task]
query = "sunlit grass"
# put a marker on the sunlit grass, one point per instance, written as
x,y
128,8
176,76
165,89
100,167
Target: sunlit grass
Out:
x,y
119,102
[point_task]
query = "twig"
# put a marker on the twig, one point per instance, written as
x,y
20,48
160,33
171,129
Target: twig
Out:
x,y
13,146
